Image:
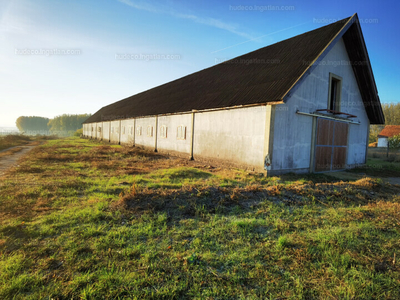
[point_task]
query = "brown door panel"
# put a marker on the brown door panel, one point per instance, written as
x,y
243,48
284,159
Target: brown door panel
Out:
x,y
331,145
340,138
323,159
325,132
339,158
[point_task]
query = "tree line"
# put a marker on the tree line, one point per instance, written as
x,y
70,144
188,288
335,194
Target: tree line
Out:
x,y
32,124
60,125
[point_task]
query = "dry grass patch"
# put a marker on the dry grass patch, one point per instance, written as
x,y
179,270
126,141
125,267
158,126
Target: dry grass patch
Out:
x,y
9,141
187,201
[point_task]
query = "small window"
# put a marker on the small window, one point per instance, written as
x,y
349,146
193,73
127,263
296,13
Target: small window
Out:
x,y
99,129
139,130
335,91
112,129
149,130
131,130
163,131
181,132
92,129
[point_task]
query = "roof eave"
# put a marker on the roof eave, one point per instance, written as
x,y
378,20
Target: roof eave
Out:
x,y
276,102
364,74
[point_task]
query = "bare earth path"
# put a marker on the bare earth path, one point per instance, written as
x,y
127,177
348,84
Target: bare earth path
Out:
x,y
9,161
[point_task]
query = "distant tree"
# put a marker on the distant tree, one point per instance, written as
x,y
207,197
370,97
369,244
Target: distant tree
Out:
x,y
67,124
79,132
374,131
394,142
391,112
32,124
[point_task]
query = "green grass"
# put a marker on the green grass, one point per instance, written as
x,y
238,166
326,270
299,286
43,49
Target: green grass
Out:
x,y
86,220
379,167
378,163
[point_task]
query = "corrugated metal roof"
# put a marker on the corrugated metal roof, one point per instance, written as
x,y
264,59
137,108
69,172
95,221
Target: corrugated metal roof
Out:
x,y
390,131
259,77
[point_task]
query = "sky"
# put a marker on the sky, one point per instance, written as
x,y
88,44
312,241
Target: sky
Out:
x,y
72,57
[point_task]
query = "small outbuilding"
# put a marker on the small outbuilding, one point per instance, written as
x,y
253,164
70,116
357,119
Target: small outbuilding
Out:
x,y
386,133
304,104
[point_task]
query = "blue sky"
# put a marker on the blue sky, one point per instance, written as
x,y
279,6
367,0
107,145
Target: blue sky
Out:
x,y
60,56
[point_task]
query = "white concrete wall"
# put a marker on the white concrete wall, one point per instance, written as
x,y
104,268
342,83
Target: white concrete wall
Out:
x,y
232,135
291,138
114,133
92,130
382,142
143,139
99,130
88,126
171,142
293,132
127,131
106,131
87,131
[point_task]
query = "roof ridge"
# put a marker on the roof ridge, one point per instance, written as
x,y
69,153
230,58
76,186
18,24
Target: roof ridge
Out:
x,y
235,58
323,50
263,76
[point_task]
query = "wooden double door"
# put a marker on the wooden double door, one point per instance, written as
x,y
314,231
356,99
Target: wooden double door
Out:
x,y
331,145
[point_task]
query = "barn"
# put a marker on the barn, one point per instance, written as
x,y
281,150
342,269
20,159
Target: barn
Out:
x,y
387,132
301,105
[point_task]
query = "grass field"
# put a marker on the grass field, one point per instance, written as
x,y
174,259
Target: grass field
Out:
x,y
84,220
381,165
393,155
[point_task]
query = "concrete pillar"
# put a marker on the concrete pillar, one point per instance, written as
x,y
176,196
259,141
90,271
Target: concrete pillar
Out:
x,y
134,132
313,138
119,133
109,132
192,137
269,137
155,134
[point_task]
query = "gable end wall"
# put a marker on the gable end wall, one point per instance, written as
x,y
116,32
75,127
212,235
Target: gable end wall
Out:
x,y
293,132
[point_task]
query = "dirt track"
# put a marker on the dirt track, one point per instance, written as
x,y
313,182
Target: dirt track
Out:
x,y
11,160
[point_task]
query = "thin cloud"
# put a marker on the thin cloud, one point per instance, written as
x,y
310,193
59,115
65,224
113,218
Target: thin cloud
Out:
x,y
200,20
259,37
141,6
9,22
